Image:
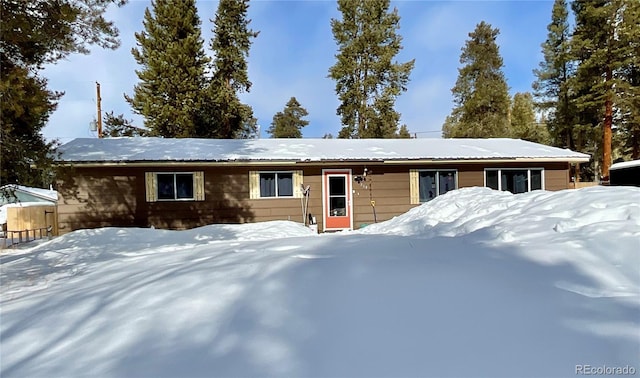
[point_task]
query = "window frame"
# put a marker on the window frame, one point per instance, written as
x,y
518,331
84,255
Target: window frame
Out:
x,y
276,180
175,187
499,170
297,177
152,187
437,171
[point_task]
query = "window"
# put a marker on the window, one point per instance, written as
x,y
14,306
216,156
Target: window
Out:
x,y
278,184
269,184
428,184
174,186
514,180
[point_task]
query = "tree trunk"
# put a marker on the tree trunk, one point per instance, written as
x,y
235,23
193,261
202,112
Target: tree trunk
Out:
x,y
608,120
578,148
635,145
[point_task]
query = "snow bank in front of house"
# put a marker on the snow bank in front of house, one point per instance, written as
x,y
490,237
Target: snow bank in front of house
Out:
x,y
470,209
149,237
595,229
475,283
107,240
83,248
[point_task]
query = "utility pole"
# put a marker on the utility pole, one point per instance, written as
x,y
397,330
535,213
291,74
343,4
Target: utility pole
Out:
x,y
99,110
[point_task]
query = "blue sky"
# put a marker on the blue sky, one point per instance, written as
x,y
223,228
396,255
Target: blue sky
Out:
x,y
293,53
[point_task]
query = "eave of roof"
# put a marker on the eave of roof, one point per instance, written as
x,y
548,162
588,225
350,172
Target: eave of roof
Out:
x,y
194,163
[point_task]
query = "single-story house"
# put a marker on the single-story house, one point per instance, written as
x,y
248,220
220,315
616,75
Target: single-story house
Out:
x,y
341,183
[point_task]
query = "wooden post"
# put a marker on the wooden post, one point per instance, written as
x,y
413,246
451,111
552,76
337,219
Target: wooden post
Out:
x,y
98,100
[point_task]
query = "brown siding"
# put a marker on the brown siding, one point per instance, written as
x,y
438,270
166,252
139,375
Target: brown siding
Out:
x,y
470,176
556,177
388,186
97,197
115,196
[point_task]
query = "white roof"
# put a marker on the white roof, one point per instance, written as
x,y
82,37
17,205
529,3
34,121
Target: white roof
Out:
x,y
138,149
625,164
46,194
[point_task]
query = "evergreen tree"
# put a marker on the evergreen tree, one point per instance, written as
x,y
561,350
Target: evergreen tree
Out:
x,y
249,125
604,52
481,95
118,126
289,122
403,133
627,134
552,87
34,33
170,50
24,110
229,117
368,81
450,128
523,120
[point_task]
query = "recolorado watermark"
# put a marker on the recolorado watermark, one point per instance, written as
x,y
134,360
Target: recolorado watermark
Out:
x,y
605,370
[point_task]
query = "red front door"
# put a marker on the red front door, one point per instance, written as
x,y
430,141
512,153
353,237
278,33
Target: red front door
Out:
x,y
336,191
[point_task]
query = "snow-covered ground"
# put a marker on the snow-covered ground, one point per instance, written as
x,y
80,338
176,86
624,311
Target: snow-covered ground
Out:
x,y
473,283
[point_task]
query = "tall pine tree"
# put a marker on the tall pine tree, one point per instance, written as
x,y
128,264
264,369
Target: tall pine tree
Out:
x,y
627,134
24,110
403,133
170,50
118,126
601,46
551,88
249,124
34,33
523,120
368,81
289,122
481,95
230,44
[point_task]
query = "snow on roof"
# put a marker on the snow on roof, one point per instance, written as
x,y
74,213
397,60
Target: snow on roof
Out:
x,y
625,164
45,194
139,149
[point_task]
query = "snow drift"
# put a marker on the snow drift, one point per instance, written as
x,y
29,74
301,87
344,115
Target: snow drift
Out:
x,y
473,283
